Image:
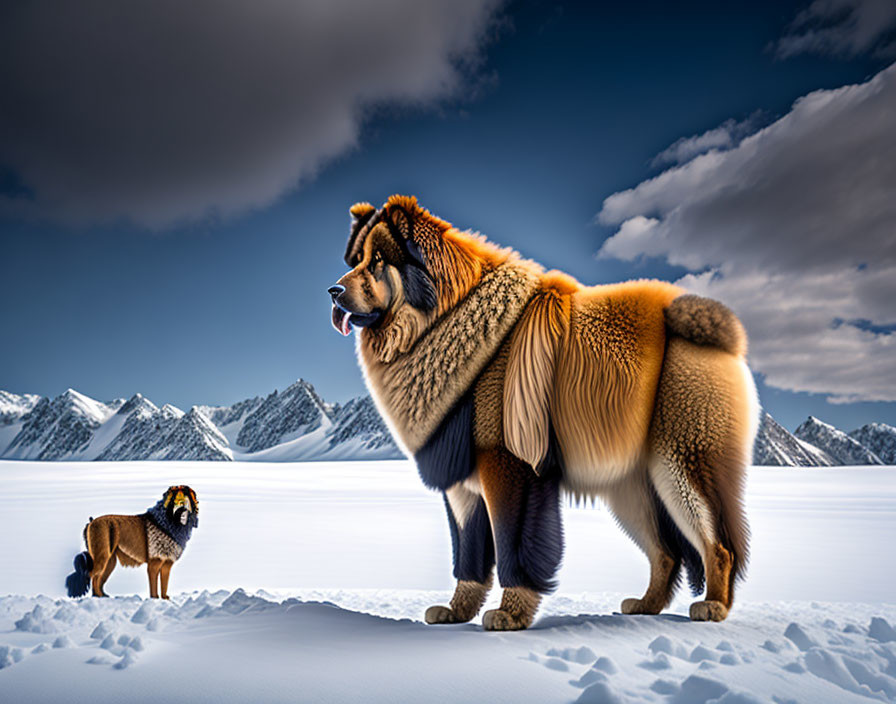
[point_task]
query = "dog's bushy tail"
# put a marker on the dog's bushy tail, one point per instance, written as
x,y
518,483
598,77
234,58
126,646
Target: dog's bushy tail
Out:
x,y
78,582
704,321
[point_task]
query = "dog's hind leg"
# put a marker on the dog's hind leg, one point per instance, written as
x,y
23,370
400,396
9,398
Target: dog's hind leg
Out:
x,y
524,510
101,542
474,553
701,438
104,577
636,507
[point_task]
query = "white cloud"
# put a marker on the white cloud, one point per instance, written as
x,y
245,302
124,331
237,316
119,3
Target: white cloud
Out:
x,y
795,228
725,136
164,110
847,27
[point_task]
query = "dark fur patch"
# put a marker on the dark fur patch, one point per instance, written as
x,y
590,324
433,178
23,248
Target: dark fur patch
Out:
x,y
78,582
419,289
541,537
414,253
678,547
528,533
472,546
447,457
552,463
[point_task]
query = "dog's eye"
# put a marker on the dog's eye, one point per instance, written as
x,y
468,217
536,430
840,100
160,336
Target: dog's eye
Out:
x,y
377,258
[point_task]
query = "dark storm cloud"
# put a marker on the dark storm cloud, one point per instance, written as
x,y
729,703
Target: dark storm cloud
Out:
x,y
795,228
845,27
167,110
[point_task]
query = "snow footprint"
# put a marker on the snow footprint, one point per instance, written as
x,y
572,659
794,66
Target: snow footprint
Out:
x,y
9,656
599,693
36,621
598,672
849,674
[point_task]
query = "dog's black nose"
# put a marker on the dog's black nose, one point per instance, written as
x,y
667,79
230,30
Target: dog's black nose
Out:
x,y
335,290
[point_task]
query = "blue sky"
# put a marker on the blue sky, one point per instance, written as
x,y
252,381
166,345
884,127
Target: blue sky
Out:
x,y
182,247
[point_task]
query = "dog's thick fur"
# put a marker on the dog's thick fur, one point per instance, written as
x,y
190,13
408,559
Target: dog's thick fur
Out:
x,y
508,384
112,538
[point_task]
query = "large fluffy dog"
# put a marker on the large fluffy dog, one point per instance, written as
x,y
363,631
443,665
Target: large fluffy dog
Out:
x,y
157,538
508,384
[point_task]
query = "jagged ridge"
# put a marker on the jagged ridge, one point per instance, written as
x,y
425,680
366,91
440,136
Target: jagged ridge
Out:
x,y
296,424
776,447
842,448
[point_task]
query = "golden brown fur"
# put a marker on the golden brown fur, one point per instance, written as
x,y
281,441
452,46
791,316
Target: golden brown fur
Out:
x,y
116,538
645,389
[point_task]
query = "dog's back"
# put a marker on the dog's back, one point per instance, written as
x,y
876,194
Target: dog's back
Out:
x,y
118,536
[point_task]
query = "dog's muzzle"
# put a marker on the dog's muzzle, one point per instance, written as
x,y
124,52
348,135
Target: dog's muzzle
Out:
x,y
343,320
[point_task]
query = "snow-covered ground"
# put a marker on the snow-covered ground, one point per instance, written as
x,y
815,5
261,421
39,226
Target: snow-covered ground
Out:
x,y
349,555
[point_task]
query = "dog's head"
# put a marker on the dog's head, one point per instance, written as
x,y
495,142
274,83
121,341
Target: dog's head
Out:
x,y
407,268
181,505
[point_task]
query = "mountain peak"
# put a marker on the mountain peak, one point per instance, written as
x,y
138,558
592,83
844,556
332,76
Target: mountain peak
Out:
x,y
880,438
776,447
843,448
13,406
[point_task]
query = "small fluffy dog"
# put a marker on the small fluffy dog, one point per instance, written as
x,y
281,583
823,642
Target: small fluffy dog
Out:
x,y
157,538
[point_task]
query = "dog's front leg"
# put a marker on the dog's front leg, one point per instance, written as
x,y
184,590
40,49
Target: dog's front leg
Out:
x,y
166,570
153,567
474,554
524,510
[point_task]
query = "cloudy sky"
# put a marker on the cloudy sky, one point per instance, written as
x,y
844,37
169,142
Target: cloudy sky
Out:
x,y
175,177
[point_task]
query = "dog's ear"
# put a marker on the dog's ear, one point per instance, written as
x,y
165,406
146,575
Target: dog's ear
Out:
x,y
193,500
401,221
361,214
401,215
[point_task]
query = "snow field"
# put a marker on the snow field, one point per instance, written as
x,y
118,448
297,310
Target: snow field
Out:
x,y
232,646
347,556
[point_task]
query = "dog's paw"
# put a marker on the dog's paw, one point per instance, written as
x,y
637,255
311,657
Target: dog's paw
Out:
x,y
440,614
708,611
499,620
638,606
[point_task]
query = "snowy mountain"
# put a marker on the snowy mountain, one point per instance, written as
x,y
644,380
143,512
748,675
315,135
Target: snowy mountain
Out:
x,y
193,437
840,446
13,407
296,424
292,425
776,447
359,420
880,438
282,417
60,429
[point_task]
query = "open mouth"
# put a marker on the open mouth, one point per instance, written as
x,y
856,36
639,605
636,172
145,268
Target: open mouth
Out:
x,y
343,320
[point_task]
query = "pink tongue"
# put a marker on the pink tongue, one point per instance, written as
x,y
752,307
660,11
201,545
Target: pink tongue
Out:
x,y
341,321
